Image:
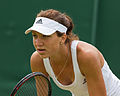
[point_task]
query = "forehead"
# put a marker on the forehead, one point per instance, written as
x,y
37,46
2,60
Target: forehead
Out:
x,y
35,32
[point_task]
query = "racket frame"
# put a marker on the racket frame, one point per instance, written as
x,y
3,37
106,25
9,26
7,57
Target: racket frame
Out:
x,y
26,78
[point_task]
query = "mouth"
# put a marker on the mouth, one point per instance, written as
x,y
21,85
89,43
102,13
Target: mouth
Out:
x,y
41,50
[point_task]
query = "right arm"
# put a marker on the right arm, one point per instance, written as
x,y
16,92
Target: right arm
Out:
x,y
38,66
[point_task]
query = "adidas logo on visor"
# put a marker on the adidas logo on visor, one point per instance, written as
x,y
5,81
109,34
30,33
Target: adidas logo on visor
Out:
x,y
39,22
46,26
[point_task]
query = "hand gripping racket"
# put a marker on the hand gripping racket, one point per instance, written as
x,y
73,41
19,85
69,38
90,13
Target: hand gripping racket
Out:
x,y
33,84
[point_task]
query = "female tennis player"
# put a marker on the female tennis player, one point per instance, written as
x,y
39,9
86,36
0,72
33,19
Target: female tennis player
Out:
x,y
73,65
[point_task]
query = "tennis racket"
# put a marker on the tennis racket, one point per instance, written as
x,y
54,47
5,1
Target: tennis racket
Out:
x,y
33,84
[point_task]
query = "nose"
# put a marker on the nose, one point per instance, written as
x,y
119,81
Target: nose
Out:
x,y
39,42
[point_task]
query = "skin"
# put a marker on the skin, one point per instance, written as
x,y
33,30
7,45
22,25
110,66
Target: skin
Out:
x,y
90,61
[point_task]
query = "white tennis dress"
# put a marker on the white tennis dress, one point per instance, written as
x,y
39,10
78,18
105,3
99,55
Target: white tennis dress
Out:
x,y
79,86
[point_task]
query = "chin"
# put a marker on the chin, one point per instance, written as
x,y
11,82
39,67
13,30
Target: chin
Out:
x,y
43,56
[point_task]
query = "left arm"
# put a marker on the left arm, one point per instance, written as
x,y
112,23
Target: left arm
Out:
x,y
90,65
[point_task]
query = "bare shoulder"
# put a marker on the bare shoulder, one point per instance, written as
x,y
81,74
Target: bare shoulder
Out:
x,y
37,64
87,48
88,56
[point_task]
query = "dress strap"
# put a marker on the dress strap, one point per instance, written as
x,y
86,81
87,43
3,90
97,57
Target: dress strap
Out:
x,y
74,58
48,67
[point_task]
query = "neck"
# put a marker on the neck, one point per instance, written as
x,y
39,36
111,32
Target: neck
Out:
x,y
61,55
61,60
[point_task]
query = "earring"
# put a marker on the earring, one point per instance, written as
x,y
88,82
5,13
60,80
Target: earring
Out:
x,y
61,43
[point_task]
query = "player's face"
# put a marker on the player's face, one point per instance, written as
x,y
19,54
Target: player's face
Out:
x,y
45,45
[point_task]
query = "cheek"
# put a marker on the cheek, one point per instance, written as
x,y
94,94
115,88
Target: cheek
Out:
x,y
34,43
55,46
56,43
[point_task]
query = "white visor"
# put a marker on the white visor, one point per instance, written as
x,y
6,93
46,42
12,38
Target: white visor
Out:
x,y
46,26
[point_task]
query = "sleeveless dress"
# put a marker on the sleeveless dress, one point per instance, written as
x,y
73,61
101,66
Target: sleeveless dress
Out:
x,y
79,85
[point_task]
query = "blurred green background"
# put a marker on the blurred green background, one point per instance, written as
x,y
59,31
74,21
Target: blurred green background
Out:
x,y
96,22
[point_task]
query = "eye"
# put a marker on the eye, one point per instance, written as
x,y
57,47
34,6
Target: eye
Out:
x,y
34,35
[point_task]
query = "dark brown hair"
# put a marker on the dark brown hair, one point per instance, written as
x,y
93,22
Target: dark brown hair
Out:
x,y
63,19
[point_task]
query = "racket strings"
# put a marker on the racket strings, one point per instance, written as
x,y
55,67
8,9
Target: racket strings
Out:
x,y
27,89
42,86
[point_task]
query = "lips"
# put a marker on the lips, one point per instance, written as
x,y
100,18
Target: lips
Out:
x,y
41,50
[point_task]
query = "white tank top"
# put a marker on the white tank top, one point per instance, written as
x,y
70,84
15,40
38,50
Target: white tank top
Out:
x,y
79,85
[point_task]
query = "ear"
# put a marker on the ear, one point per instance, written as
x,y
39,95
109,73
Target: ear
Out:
x,y
63,38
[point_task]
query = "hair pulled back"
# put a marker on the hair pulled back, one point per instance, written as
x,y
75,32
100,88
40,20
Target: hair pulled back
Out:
x,y
63,19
